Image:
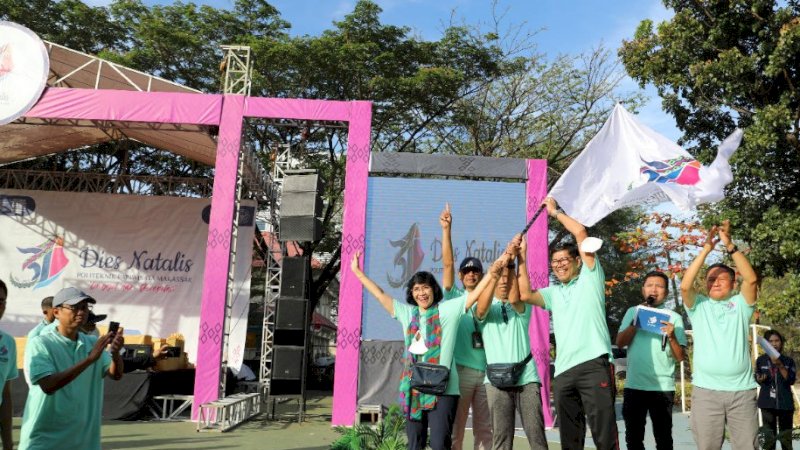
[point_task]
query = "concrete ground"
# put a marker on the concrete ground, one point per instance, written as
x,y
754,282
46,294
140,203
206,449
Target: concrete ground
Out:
x,y
315,433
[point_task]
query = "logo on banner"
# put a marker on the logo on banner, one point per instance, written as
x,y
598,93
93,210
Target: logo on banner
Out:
x,y
683,170
47,262
408,258
24,66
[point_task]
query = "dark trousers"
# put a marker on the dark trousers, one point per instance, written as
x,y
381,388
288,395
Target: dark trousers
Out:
x,y
440,419
585,393
775,418
636,405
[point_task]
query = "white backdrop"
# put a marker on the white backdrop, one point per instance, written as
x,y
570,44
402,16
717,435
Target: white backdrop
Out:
x,y
141,258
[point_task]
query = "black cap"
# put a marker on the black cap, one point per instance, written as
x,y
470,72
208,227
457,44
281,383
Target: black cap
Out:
x,y
94,318
471,262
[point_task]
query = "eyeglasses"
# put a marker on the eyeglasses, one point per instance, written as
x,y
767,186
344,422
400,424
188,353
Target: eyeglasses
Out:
x,y
559,262
79,307
505,314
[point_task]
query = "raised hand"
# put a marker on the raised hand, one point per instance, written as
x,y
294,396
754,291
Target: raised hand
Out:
x,y
725,233
445,218
354,265
100,346
551,205
712,238
117,342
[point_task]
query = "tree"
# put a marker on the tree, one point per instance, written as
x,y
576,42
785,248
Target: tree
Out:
x,y
721,64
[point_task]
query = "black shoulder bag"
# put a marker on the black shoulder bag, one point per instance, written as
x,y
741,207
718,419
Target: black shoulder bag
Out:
x,y
506,375
429,378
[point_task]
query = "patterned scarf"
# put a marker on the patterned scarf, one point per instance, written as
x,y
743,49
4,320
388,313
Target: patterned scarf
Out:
x,y
415,402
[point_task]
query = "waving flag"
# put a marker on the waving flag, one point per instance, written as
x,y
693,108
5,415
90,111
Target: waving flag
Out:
x,y
628,164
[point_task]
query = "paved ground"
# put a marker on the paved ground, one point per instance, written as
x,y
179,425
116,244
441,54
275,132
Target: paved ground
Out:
x,y
315,433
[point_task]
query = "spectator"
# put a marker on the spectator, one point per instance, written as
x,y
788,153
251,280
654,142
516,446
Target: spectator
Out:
x,y
8,371
776,377
66,370
49,317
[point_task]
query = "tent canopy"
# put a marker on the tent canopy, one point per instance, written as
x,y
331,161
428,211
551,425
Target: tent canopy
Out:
x,y
30,137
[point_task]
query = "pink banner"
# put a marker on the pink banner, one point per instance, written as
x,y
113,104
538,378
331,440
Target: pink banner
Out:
x,y
348,340
539,272
218,255
128,106
288,108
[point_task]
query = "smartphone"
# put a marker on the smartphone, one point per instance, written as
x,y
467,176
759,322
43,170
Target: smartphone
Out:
x,y
113,327
173,352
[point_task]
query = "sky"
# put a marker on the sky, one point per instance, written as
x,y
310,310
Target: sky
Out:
x,y
562,26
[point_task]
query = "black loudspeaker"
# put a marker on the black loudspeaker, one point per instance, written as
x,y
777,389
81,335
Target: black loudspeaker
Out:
x,y
291,314
305,203
300,181
287,362
294,277
300,228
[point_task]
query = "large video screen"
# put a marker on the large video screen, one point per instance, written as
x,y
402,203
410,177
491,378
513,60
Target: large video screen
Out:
x,y
403,234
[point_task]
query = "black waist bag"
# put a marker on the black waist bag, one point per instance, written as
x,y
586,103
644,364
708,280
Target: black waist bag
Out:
x,y
429,378
506,375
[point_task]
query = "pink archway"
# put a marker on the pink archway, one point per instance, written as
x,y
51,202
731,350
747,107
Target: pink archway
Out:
x,y
227,112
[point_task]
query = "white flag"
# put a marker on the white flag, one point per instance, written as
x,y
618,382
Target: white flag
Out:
x,y
628,164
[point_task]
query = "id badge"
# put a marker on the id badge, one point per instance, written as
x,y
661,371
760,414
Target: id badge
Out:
x,y
772,393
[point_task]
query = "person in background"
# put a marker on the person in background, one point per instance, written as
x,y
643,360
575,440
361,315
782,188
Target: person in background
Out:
x,y
470,358
49,317
723,386
90,326
66,369
8,371
650,384
776,377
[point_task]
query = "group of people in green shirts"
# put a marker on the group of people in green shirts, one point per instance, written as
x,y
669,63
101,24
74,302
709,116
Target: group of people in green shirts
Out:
x,y
486,323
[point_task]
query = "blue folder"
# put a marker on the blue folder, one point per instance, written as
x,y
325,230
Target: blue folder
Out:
x,y
649,319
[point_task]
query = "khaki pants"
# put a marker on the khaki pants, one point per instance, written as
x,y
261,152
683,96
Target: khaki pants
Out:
x,y
712,410
473,394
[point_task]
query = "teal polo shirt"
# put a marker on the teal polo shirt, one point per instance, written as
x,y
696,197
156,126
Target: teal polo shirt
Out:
x,y
578,311
8,359
509,342
70,417
720,330
649,367
465,354
450,313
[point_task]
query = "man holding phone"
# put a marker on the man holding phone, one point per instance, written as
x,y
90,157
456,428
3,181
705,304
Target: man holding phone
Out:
x,y
66,370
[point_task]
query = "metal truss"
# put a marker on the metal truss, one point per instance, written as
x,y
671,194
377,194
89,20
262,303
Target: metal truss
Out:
x,y
104,183
238,71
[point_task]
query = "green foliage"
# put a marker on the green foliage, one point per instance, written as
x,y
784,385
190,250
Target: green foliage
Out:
x,y
779,305
388,434
722,64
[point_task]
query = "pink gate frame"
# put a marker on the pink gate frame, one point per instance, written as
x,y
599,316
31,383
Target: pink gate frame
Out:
x,y
228,112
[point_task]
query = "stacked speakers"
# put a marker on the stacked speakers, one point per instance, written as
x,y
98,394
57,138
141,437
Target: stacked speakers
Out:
x,y
301,207
291,326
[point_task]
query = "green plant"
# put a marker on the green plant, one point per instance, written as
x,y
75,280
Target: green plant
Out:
x,y
387,434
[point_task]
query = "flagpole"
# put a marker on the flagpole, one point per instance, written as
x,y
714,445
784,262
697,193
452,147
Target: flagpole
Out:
x,y
533,219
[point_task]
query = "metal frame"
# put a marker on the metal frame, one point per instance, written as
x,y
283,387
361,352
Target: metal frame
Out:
x,y
100,182
238,70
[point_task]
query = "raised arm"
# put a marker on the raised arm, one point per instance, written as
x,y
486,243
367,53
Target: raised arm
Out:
x,y
574,227
485,289
526,295
749,288
688,292
53,382
448,270
372,287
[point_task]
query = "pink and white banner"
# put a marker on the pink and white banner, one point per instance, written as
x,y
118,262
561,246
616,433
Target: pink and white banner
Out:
x,y
141,258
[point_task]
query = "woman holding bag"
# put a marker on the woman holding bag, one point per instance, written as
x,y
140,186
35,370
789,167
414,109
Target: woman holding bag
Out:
x,y
430,330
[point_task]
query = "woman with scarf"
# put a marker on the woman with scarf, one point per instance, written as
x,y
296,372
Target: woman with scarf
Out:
x,y
776,377
430,330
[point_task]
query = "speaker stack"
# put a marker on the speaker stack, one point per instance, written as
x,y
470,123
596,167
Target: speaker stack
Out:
x,y
291,327
301,207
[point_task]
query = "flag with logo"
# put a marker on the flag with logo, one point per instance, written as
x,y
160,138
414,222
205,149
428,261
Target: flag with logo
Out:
x,y
629,164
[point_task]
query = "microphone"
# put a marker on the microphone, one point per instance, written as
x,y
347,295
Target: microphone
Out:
x,y
651,300
664,342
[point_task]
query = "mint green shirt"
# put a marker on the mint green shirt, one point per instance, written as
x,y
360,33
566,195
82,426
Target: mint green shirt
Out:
x,y
8,360
721,351
465,353
70,417
578,311
450,313
649,367
508,342
37,330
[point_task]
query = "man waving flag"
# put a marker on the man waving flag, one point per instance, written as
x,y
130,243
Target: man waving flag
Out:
x,y
629,164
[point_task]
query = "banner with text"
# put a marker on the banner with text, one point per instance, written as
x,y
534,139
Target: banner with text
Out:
x,y
141,258
403,234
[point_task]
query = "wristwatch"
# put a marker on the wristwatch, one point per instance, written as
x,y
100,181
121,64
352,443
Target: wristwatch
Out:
x,y
733,250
